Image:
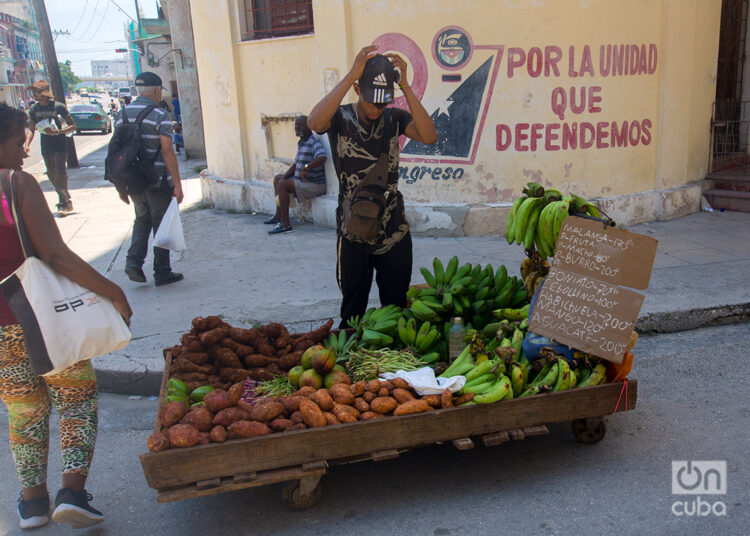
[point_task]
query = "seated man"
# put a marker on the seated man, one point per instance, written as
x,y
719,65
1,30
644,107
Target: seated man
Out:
x,y
305,178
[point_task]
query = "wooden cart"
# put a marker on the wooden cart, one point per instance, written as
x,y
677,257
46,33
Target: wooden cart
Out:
x,y
287,457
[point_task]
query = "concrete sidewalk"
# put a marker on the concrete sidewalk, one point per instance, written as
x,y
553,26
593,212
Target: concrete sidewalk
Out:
x,y
233,268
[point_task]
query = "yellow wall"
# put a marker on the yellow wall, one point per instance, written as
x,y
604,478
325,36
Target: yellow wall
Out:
x,y
670,103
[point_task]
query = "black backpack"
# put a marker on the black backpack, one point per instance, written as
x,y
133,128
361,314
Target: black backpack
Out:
x,y
126,165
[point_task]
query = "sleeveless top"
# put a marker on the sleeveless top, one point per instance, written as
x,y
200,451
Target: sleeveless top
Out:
x,y
11,257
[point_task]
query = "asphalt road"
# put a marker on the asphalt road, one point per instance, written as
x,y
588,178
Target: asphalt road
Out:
x,y
693,406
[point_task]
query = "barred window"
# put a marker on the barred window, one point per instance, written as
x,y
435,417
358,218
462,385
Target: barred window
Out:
x,y
277,18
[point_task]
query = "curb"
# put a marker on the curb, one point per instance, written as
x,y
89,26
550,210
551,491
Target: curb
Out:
x,y
148,382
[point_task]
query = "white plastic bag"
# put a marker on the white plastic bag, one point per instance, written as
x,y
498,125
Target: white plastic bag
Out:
x,y
63,323
169,234
424,382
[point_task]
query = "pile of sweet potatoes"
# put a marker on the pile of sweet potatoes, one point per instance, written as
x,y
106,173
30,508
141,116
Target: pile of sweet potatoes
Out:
x,y
217,354
226,415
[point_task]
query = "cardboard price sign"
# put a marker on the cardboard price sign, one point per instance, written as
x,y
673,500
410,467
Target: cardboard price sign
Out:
x,y
581,303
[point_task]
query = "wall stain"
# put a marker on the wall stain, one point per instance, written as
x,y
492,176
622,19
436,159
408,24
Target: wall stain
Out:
x,y
567,169
533,174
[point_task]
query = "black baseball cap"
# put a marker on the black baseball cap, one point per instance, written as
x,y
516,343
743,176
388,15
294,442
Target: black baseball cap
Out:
x,y
376,82
148,79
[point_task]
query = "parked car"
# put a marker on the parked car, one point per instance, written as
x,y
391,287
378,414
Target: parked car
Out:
x,y
91,117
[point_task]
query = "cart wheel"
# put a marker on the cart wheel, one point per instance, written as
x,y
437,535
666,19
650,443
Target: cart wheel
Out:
x,y
588,431
293,498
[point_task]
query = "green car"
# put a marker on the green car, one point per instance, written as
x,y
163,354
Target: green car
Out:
x,y
91,117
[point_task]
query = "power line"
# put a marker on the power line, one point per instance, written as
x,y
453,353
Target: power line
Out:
x,y
82,15
100,24
90,21
125,12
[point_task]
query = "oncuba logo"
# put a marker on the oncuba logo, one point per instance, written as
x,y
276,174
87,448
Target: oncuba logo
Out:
x,y
696,478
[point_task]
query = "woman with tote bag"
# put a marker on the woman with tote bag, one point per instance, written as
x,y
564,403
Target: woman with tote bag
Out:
x,y
28,396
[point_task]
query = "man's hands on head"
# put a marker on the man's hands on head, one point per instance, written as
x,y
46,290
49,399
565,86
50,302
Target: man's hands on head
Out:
x,y
399,63
358,66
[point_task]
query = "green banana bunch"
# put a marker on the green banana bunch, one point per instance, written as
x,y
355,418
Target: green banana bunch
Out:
x,y
509,232
534,189
516,377
423,312
521,221
563,375
512,314
542,384
376,339
498,391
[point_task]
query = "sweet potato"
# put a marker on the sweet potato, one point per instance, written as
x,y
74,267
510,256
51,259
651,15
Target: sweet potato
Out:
x,y
172,412
280,424
235,391
215,335
463,399
368,397
297,426
194,346
369,415
342,394
446,399
218,434
401,395
307,391
412,406
357,388
274,330
264,348
291,403
267,411
205,438
257,360
282,342
185,365
234,375
183,435
400,383
330,418
345,413
158,442
432,400
176,350
199,417
361,405
302,343
193,385
373,386
323,399
274,369
312,415
228,416
383,391
383,404
249,429
388,384
218,400
296,417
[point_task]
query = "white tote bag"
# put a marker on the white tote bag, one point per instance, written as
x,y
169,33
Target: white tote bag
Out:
x,y
63,323
169,235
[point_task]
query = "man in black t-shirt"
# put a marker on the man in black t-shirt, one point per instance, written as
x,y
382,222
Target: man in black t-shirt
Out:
x,y
359,134
49,115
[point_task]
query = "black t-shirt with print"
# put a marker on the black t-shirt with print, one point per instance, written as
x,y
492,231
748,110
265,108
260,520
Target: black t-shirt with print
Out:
x,y
355,147
57,112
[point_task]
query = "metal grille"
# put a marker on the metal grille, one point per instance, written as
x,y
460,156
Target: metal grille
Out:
x,y
730,119
276,18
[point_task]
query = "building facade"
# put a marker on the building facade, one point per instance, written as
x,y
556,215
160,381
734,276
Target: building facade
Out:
x,y
19,42
610,100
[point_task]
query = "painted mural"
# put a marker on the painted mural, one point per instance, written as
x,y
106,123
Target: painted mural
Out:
x,y
470,74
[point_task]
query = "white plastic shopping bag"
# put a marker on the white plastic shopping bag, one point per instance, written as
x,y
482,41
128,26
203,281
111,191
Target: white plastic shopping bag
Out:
x,y
169,234
63,323
424,381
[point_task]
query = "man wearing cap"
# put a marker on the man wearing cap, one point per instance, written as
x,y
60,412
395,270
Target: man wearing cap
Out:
x,y
151,204
359,134
49,115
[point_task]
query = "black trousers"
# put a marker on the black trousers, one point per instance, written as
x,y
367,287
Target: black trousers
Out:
x,y
354,270
150,206
55,160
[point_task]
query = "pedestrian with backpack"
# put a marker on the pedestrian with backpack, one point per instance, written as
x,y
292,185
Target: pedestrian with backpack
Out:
x,y
373,234
142,164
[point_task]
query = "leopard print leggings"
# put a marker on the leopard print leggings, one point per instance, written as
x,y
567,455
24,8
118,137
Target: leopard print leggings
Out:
x,y
27,396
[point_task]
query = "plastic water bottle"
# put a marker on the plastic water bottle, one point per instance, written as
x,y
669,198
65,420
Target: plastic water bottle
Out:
x,y
456,335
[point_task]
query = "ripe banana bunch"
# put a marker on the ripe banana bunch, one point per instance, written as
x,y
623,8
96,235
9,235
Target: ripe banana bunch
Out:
x,y
533,272
379,327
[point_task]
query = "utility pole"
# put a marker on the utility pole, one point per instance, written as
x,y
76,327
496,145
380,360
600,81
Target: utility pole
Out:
x,y
53,68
